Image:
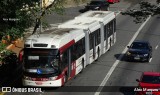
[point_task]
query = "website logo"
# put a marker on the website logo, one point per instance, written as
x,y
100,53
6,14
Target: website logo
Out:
x,y
6,89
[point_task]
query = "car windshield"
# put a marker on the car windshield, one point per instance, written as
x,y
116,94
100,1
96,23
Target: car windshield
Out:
x,y
46,59
139,45
151,79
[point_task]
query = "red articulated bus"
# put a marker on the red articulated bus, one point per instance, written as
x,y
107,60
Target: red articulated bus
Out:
x,y
53,57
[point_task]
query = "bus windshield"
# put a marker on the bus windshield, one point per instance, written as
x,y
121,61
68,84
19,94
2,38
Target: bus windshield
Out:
x,y
44,59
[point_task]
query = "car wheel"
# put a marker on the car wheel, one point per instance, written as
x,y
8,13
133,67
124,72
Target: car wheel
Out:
x,y
107,9
148,58
151,55
126,58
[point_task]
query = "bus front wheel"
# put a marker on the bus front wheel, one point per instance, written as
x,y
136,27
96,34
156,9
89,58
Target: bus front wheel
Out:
x,y
65,78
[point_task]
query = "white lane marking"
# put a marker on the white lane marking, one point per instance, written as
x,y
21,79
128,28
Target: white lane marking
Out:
x,y
156,47
118,60
150,60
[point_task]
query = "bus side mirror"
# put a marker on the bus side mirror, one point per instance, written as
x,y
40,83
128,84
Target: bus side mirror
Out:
x,y
20,57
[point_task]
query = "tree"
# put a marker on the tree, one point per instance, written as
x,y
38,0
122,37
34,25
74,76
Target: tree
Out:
x,y
145,10
13,18
18,15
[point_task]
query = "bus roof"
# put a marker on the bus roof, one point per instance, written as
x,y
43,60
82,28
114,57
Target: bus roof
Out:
x,y
55,38
81,24
101,16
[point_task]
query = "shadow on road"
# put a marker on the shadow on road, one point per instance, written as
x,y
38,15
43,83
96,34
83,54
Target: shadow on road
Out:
x,y
117,56
11,78
124,58
132,2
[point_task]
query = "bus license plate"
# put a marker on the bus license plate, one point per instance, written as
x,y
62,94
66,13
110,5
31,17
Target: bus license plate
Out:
x,y
38,83
136,58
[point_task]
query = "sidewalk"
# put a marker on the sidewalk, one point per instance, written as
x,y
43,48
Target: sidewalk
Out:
x,y
68,3
71,3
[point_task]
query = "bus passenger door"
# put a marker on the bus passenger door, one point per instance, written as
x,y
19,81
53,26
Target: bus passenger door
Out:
x,y
69,62
106,36
114,31
94,45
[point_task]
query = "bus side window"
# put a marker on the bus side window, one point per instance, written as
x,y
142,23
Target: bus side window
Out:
x,y
76,50
73,53
64,59
83,45
105,32
109,25
97,37
91,41
79,48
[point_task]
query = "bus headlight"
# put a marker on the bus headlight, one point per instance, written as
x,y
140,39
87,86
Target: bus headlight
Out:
x,y
96,8
53,78
27,78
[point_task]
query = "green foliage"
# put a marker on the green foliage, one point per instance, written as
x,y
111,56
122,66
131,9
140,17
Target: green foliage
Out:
x,y
146,9
14,33
2,46
3,52
18,15
15,17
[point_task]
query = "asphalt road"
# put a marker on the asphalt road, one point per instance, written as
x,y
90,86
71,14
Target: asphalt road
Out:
x,y
71,12
125,73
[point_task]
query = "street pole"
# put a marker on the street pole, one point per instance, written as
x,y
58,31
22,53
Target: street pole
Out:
x,y
40,15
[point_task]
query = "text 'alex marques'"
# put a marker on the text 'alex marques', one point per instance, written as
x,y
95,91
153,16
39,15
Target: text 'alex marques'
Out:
x,y
146,89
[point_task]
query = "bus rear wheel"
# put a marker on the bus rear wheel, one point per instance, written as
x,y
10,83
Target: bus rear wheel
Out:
x,y
110,44
82,63
98,53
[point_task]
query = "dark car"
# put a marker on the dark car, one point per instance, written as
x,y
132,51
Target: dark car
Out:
x,y
149,84
140,51
96,5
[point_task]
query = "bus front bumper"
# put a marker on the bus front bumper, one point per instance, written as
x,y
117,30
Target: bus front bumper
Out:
x,y
55,83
